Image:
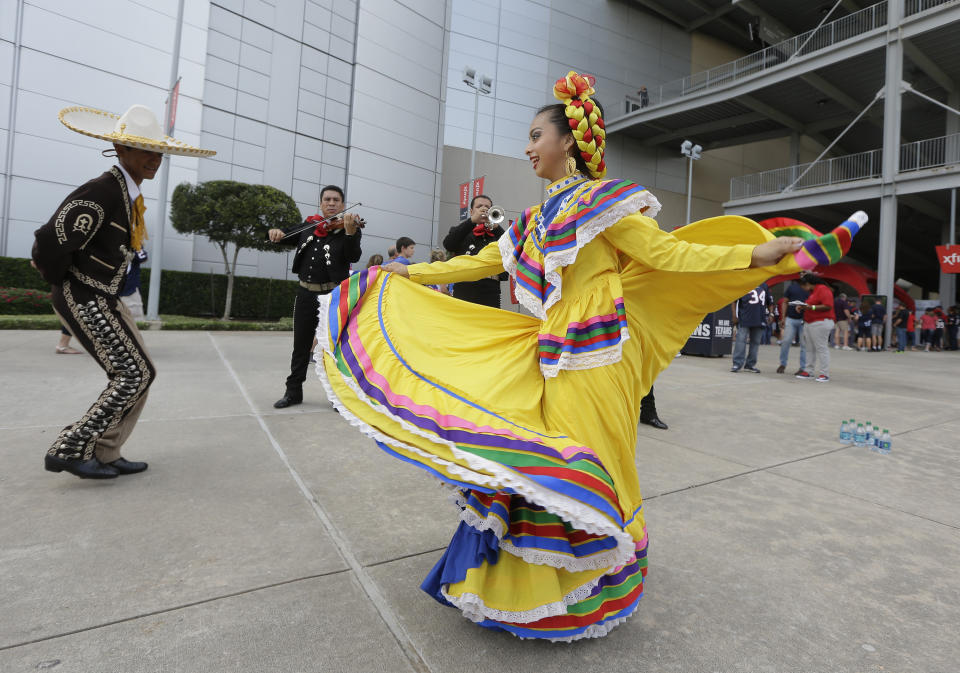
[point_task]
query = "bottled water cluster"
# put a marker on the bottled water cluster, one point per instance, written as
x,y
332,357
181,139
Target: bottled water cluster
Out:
x,y
865,434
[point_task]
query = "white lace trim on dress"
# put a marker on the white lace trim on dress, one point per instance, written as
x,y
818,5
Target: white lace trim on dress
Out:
x,y
493,475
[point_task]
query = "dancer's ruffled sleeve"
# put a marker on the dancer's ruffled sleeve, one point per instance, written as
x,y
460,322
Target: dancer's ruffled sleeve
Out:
x,y
640,238
460,269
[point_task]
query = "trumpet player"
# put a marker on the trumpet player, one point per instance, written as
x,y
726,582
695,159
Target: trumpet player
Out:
x,y
322,261
469,238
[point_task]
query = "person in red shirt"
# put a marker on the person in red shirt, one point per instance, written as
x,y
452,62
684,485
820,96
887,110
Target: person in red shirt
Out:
x,y
912,330
928,325
819,321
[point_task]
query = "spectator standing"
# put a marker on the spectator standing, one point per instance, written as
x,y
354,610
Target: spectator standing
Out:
x,y
852,317
953,327
391,253
130,294
437,255
928,323
819,317
405,249
792,324
775,313
63,346
900,318
375,260
878,318
841,335
939,328
911,330
749,316
864,331
644,97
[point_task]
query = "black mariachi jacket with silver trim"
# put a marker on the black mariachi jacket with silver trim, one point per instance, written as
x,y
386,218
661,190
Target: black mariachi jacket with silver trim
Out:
x,y
462,241
88,238
311,263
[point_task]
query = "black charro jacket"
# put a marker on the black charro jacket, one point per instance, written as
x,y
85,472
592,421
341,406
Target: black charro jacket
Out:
x,y
88,237
310,259
462,241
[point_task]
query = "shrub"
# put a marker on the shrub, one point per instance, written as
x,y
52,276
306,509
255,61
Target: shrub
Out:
x,y
169,322
20,301
184,292
17,272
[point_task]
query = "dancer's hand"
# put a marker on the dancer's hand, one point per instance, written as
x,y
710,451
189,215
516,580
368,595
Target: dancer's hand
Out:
x,y
397,268
769,253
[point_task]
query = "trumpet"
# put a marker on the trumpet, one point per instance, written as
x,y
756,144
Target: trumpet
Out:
x,y
496,216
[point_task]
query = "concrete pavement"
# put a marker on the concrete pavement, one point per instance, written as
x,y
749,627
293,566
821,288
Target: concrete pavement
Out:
x,y
265,540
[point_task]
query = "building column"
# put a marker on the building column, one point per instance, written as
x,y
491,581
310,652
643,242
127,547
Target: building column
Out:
x,y
887,254
794,155
948,281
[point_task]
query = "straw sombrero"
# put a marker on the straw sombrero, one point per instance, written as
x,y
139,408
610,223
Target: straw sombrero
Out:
x,y
137,127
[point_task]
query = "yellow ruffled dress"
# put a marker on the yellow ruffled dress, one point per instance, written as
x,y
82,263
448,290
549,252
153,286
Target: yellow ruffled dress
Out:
x,y
533,420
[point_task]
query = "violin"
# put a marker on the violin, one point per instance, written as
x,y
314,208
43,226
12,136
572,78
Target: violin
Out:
x,y
334,223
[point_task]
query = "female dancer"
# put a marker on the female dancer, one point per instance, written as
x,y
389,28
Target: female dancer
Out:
x,y
533,420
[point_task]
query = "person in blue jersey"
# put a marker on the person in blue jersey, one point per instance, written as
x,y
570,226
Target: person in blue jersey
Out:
x,y
749,316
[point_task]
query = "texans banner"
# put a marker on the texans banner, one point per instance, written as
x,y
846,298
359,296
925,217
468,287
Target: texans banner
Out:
x,y
949,256
466,195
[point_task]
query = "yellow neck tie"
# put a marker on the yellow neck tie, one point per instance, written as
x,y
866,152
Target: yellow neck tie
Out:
x,y
139,234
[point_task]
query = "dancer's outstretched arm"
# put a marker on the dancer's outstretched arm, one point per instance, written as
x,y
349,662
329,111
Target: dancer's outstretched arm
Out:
x,y
460,269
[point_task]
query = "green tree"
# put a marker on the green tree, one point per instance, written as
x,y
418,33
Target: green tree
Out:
x,y
232,212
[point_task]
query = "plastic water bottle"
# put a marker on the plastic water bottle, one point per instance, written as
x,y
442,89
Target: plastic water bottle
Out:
x,y
886,443
860,435
846,432
868,434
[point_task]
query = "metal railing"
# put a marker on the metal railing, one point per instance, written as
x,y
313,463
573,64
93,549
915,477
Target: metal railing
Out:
x,y
827,35
930,153
912,7
827,172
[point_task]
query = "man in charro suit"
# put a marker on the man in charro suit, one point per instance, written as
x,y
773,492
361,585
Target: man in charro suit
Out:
x,y
469,238
322,261
83,252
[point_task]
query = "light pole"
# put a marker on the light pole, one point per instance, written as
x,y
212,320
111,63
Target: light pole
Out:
x,y
692,152
156,266
480,85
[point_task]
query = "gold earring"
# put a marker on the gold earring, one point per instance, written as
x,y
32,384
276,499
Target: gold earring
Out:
x,y
571,165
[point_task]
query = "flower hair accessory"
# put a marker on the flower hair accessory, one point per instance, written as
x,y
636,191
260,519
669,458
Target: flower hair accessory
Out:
x,y
586,122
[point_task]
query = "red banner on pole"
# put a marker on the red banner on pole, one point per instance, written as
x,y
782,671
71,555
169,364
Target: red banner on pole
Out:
x,y
949,256
172,107
466,195
464,200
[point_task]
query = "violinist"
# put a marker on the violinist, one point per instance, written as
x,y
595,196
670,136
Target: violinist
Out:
x,y
322,260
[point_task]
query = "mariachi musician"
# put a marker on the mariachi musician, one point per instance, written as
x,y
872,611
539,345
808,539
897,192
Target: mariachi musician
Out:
x,y
469,238
322,261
